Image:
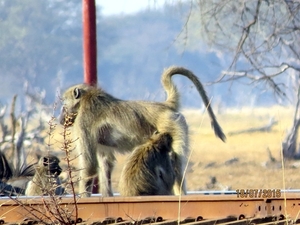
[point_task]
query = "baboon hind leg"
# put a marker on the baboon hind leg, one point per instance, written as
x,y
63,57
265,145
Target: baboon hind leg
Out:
x,y
106,165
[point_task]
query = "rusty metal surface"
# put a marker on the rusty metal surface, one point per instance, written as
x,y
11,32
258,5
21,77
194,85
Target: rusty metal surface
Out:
x,y
190,209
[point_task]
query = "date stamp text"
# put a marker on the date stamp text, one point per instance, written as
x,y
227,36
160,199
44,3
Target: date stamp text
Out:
x,y
258,193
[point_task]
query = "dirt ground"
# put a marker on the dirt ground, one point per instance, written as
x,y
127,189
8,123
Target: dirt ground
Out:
x,y
247,160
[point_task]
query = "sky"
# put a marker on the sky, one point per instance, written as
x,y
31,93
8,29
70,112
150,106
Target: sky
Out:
x,y
112,7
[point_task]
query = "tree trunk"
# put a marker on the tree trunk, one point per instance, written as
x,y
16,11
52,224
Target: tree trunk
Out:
x,y
289,145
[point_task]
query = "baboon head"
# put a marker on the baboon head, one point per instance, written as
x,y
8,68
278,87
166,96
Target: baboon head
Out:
x,y
51,163
160,162
149,170
71,103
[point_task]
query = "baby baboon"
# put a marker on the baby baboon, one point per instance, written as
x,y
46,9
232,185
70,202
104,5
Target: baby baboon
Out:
x,y
148,169
45,180
104,124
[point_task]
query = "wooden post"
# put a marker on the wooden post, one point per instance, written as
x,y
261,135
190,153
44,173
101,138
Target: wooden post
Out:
x,y
89,42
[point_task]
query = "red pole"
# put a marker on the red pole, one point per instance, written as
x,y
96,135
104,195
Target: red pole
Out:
x,y
90,51
89,42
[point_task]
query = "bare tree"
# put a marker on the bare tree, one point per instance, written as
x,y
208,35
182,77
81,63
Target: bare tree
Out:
x,y
263,38
19,138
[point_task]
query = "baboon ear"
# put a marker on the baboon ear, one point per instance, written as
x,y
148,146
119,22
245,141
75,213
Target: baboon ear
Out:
x,y
76,93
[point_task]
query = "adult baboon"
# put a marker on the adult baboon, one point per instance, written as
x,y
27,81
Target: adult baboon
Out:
x,y
105,124
148,169
45,180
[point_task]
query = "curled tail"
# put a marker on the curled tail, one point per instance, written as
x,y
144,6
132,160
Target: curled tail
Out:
x,y
173,94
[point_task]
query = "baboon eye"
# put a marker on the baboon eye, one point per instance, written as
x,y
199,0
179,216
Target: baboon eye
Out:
x,y
45,161
161,175
76,93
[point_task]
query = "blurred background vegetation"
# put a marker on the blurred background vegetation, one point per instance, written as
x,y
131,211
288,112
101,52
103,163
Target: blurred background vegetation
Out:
x,y
246,52
41,44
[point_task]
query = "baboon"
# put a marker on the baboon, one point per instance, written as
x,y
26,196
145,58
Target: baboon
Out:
x,y
45,180
6,171
13,181
148,169
6,174
104,124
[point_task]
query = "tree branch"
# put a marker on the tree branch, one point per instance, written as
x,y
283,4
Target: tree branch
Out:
x,y
245,35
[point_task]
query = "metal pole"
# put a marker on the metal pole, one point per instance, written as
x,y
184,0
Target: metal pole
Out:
x,y
90,51
89,42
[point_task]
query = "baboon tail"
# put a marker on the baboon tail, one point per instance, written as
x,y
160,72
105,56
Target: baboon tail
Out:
x,y
170,89
173,95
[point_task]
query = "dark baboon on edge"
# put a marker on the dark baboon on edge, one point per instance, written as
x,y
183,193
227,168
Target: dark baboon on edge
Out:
x,y
148,169
45,179
105,124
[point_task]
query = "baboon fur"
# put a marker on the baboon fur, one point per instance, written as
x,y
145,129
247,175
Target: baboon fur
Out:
x,y
104,124
45,180
148,169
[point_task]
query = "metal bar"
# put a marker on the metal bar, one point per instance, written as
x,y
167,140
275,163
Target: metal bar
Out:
x,y
189,209
89,42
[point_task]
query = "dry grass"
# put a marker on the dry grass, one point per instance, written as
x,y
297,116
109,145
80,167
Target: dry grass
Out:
x,y
253,168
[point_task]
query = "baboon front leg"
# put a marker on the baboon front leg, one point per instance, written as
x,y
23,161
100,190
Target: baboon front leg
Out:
x,y
179,164
106,164
87,171
85,186
180,154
